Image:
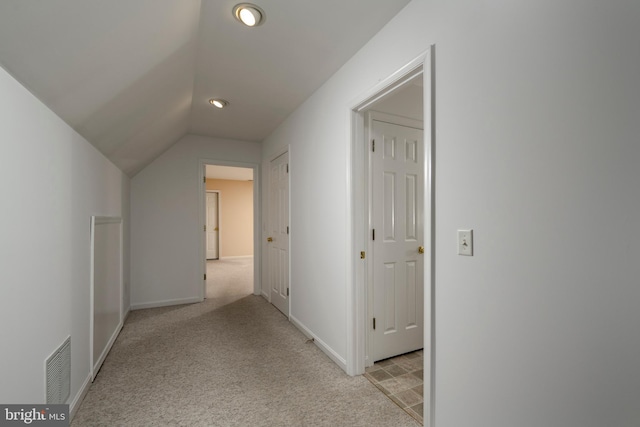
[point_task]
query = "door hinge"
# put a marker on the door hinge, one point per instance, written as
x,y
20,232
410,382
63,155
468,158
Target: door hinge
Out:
x,y
287,291
373,145
287,167
204,179
374,323
373,234
287,229
205,277
362,255
205,228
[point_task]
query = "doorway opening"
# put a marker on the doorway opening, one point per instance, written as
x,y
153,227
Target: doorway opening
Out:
x,y
395,187
392,212
230,218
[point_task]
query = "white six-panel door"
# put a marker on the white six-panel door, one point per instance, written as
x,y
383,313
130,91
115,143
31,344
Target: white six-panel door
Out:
x,y
398,220
278,233
212,225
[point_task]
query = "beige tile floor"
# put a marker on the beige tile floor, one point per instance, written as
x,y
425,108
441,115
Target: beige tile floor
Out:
x,y
401,380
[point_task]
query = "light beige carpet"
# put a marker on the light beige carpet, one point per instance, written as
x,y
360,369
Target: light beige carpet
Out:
x,y
228,279
229,361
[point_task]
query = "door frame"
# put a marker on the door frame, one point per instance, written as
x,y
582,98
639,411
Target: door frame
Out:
x,y
358,226
257,220
205,221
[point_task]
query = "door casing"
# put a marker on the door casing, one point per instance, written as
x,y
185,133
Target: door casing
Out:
x,y
358,317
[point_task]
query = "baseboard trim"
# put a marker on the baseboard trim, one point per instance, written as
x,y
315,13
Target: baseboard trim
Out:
x,y
340,361
86,385
165,303
107,349
77,401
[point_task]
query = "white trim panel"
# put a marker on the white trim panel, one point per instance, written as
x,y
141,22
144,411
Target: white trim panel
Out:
x,y
96,221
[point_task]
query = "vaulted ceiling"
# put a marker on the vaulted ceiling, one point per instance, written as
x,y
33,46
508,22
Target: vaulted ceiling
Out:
x,y
134,76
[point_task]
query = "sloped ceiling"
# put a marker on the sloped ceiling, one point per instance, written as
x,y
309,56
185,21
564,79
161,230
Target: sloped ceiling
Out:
x,y
134,76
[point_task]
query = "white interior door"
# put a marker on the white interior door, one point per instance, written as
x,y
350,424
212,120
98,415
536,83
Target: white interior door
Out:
x,y
397,221
278,233
212,226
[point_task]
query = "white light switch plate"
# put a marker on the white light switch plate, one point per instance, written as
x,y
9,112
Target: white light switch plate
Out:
x,y
465,242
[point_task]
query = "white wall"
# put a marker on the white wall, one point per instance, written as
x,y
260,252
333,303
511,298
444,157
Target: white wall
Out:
x,y
52,181
166,229
537,121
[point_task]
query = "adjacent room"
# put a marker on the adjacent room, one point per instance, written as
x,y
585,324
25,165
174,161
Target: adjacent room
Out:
x,y
229,230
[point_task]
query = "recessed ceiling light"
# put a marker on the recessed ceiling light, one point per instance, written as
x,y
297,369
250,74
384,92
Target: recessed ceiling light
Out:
x,y
249,14
220,103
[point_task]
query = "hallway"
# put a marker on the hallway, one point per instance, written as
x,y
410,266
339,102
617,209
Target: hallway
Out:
x,y
231,360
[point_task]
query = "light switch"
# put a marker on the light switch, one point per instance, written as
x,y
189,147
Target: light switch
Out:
x,y
465,242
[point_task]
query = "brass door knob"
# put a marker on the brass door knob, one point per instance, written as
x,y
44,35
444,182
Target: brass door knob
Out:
x,y
269,239
421,249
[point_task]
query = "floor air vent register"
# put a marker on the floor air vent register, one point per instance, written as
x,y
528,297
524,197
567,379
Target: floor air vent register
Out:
x,y
58,373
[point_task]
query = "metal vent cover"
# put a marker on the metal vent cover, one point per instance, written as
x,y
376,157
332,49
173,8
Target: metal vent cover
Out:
x,y
58,373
